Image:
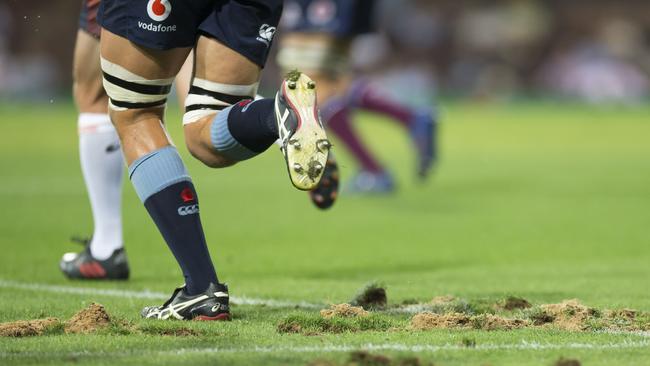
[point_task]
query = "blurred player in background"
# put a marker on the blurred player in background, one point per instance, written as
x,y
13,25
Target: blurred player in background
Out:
x,y
317,38
102,162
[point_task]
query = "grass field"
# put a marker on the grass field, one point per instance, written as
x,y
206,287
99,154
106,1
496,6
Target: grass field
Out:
x,y
547,202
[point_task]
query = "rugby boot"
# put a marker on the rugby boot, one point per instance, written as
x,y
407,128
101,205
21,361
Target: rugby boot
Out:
x,y
424,134
326,192
83,265
209,305
304,143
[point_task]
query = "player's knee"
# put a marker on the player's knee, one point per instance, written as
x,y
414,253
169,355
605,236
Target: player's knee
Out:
x,y
89,96
206,154
206,99
127,91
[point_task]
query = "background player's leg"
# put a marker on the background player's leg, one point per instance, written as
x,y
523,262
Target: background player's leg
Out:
x,y
336,112
99,149
363,95
155,167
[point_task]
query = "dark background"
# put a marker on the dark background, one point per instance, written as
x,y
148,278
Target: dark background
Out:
x,y
596,50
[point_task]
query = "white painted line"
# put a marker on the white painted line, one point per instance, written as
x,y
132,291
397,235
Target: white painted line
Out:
x,y
370,347
146,294
429,348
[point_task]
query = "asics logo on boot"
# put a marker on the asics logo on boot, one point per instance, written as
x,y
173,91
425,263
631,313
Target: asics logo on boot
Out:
x,y
188,210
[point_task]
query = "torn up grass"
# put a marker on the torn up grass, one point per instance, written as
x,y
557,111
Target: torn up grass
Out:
x,y
313,324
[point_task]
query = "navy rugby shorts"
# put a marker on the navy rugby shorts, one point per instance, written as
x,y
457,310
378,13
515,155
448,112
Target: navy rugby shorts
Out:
x,y
245,26
88,17
342,18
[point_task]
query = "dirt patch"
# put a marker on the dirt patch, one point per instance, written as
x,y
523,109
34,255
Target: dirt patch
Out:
x,y
569,315
626,314
513,303
495,322
567,362
27,328
373,296
429,320
343,310
88,320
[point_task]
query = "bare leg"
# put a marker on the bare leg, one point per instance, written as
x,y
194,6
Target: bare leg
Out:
x,y
219,64
141,130
101,159
155,168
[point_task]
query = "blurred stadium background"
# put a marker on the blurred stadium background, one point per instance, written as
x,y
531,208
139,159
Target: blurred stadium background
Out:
x,y
591,50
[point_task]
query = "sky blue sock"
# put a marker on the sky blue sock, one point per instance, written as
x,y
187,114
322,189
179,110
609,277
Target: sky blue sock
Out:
x,y
165,188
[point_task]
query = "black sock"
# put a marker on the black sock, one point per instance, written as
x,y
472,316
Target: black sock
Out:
x,y
175,210
253,124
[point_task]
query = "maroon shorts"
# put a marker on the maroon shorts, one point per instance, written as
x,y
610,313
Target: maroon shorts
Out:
x,y
88,17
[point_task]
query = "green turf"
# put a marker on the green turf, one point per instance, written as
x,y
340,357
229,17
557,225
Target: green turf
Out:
x,y
543,201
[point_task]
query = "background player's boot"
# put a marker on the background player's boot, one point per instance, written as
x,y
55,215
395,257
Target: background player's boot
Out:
x,y
209,305
83,265
327,190
304,143
424,135
366,182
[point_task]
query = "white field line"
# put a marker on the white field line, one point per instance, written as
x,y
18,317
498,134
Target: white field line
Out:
x,y
146,294
421,348
371,347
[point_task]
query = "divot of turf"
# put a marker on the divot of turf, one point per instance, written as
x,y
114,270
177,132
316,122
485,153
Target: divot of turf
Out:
x,y
315,324
28,328
570,314
88,320
364,358
513,303
343,310
371,297
429,320
567,362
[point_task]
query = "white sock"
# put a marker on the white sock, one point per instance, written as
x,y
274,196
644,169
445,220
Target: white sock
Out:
x,y
102,165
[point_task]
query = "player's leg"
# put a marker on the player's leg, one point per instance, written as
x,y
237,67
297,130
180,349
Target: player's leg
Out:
x,y
183,80
224,125
421,123
137,80
101,162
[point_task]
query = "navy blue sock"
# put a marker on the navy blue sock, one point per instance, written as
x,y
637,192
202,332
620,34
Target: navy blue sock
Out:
x,y
245,129
162,183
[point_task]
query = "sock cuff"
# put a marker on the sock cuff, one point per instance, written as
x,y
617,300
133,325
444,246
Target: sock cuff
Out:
x,y
94,123
156,171
224,142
